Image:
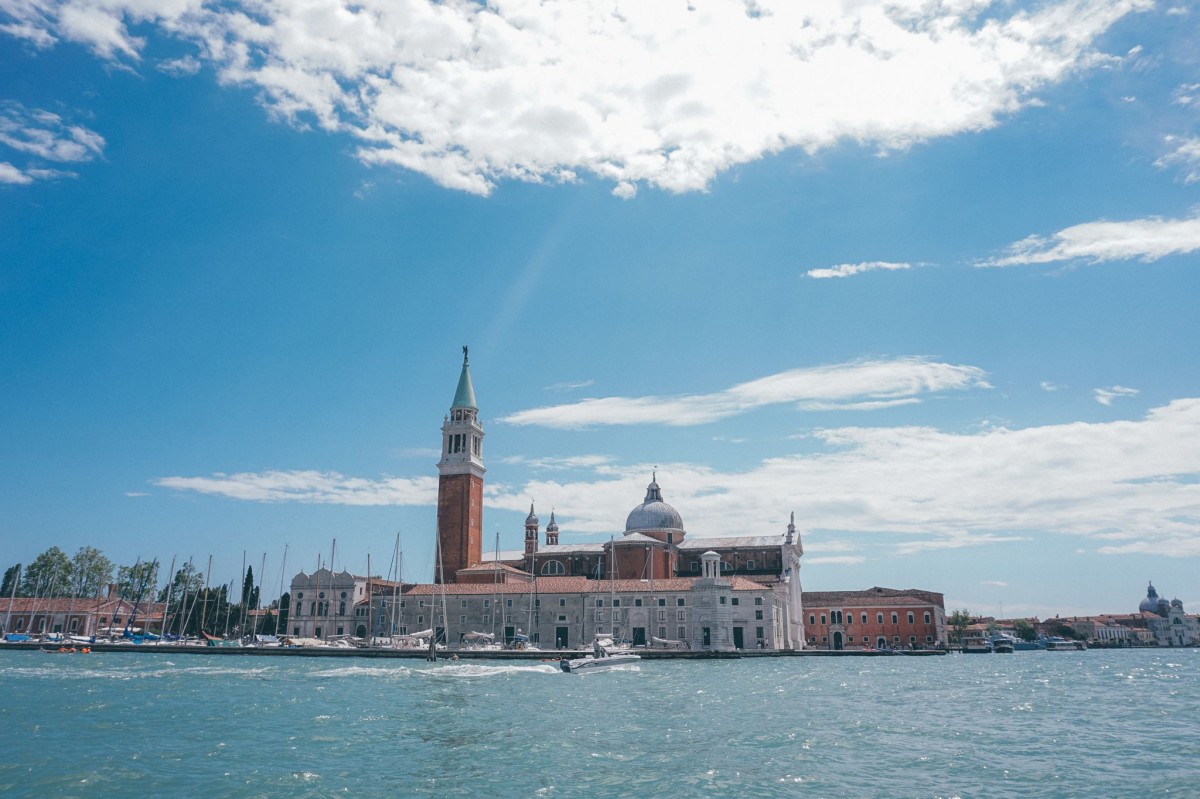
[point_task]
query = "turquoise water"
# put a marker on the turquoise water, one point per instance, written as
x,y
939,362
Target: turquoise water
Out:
x,y
1035,724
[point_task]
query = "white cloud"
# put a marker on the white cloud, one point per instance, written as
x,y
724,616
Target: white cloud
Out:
x,y
667,95
1185,154
590,462
186,65
855,386
956,540
996,583
846,270
1048,385
835,560
1105,396
1133,485
45,135
309,487
1096,242
570,385
1126,483
10,174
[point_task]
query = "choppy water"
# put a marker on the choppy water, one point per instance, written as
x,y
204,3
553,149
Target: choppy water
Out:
x,y
1035,724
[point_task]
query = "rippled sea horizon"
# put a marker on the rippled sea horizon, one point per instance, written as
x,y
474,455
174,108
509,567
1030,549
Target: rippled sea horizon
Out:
x,y
1031,724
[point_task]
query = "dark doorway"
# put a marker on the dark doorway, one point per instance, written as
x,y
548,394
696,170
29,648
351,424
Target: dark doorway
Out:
x,y
737,638
837,640
562,638
361,632
639,636
707,637
509,633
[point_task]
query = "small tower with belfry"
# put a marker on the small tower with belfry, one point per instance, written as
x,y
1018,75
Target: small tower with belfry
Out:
x,y
460,483
552,531
531,532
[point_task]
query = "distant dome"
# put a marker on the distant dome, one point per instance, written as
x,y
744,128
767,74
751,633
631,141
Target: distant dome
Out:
x,y
531,519
1150,603
653,513
1177,603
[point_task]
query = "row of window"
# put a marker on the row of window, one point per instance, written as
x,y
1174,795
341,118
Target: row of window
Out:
x,y
300,595
835,617
553,567
881,641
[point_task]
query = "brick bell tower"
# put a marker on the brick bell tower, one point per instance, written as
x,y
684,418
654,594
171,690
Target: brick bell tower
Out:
x,y
460,484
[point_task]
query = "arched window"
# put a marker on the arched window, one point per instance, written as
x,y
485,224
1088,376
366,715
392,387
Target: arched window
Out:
x,y
553,567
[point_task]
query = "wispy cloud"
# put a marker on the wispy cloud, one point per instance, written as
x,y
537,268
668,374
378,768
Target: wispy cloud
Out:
x,y
1123,483
187,65
1133,485
570,386
665,95
1105,396
1184,154
996,583
1096,242
1048,385
846,270
853,386
43,136
835,560
329,488
46,135
956,540
591,462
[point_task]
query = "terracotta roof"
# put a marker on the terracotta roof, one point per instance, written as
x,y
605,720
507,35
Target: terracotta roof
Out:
x,y
491,567
869,598
26,604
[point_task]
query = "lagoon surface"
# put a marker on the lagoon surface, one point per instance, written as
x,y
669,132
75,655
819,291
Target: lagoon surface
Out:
x,y
1031,724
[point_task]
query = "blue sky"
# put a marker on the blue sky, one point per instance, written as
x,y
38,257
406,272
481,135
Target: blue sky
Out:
x,y
923,273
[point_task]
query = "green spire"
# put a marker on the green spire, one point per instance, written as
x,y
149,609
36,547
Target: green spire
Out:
x,y
464,397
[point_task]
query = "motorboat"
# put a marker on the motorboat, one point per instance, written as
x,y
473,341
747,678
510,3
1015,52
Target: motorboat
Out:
x,y
600,660
1056,643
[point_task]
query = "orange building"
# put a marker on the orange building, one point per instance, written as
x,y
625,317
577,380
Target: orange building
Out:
x,y
877,618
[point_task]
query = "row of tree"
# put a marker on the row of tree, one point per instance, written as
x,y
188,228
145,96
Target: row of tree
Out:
x,y
192,606
85,575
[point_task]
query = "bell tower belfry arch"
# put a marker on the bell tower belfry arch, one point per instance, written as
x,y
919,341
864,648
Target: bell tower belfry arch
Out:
x,y
460,483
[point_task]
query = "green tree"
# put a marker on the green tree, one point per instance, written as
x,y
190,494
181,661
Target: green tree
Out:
x,y
249,590
284,604
186,581
12,579
91,572
1024,630
48,576
182,593
140,578
959,620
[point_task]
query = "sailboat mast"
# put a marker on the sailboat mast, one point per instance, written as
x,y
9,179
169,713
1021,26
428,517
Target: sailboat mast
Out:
x,y
279,602
167,607
12,598
207,594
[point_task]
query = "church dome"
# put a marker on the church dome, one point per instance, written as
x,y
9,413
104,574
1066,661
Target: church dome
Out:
x,y
531,520
653,513
1150,603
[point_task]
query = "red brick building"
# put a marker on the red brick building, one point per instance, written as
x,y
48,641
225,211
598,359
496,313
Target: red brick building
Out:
x,y
460,484
877,618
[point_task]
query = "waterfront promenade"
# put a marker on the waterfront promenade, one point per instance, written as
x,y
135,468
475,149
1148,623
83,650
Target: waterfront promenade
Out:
x,y
462,654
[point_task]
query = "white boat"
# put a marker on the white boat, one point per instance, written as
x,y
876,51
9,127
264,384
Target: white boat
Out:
x,y
600,660
1056,643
